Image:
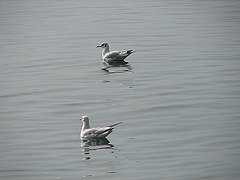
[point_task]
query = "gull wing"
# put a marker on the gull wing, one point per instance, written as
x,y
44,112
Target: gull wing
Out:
x,y
97,132
117,57
114,56
115,124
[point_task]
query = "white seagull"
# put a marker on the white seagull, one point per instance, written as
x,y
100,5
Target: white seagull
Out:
x,y
92,133
115,58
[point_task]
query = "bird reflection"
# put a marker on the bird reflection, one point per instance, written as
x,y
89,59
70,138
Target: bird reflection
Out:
x,y
116,68
95,142
93,145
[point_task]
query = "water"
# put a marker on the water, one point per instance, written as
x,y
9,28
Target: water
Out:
x,y
179,107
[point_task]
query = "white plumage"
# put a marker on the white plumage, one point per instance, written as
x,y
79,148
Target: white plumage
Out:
x,y
98,132
114,57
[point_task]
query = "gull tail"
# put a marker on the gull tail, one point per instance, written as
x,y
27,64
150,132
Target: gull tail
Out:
x,y
108,130
130,51
115,124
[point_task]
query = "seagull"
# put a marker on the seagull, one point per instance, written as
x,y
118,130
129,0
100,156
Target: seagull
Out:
x,y
115,58
92,133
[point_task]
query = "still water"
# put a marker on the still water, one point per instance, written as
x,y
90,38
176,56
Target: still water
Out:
x,y
180,107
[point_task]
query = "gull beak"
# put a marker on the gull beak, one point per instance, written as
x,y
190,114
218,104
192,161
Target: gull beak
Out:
x,y
98,46
81,119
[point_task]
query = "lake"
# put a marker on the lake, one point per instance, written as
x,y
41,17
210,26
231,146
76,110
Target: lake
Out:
x,y
180,104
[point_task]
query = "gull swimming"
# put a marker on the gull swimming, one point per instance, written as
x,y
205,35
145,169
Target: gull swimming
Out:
x,y
115,58
92,133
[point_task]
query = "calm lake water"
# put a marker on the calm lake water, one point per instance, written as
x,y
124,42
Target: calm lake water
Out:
x,y
180,107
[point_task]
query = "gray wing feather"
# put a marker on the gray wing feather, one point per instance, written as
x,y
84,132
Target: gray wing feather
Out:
x,y
97,132
117,55
115,124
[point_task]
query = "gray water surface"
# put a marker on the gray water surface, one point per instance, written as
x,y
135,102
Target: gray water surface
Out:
x,y
180,107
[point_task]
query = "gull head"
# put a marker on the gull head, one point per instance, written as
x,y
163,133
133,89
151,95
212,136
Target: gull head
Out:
x,y
103,45
84,118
